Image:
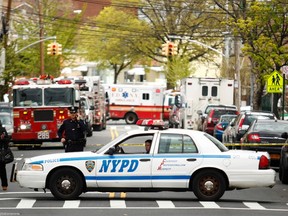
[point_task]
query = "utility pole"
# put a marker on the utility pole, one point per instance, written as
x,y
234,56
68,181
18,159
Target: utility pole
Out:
x,y
7,23
237,70
4,31
41,35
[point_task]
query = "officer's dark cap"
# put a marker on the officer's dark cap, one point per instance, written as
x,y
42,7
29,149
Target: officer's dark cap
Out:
x,y
73,109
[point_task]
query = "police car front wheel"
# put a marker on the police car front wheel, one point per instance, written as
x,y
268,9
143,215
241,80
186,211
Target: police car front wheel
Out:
x,y
66,184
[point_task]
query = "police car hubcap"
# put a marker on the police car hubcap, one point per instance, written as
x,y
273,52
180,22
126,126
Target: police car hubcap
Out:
x,y
209,185
66,184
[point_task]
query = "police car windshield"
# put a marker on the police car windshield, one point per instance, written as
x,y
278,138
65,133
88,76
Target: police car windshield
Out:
x,y
217,143
112,143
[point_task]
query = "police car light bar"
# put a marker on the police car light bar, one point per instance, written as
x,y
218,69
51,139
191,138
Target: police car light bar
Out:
x,y
153,123
65,81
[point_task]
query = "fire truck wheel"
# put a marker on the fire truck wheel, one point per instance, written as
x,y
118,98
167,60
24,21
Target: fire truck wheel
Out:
x,y
66,183
97,127
89,133
131,118
104,124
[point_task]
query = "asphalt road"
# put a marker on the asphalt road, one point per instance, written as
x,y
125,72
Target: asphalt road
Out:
x,y
22,201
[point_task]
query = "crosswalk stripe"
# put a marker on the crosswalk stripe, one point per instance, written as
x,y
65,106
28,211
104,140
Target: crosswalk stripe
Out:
x,y
71,204
165,204
209,205
117,204
26,203
253,205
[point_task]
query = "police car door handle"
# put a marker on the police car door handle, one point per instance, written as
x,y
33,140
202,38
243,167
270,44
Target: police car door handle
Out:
x,y
191,159
144,160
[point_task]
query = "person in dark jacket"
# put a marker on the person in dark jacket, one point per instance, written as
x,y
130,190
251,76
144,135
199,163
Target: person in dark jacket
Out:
x,y
4,141
72,132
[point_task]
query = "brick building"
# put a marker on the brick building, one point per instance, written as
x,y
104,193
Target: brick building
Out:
x,y
92,7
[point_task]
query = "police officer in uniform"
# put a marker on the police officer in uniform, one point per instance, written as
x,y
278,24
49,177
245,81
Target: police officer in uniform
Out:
x,y
4,140
73,132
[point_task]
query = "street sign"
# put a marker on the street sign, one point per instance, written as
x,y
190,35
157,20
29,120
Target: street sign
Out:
x,y
275,83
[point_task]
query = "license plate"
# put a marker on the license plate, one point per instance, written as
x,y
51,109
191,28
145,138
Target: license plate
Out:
x,y
43,135
275,156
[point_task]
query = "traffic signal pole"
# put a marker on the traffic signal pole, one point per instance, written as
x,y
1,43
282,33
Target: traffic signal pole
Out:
x,y
36,42
41,35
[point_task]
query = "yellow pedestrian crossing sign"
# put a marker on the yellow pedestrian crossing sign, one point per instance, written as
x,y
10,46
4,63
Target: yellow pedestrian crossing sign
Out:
x,y
275,83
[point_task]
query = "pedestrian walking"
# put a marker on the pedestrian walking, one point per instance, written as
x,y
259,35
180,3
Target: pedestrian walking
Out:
x,y
4,141
72,132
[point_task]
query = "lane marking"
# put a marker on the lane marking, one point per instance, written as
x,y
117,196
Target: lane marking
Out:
x,y
123,195
112,195
26,203
165,204
71,204
117,204
253,205
113,132
209,205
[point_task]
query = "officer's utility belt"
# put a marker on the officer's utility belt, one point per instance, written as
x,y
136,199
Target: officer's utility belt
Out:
x,y
78,142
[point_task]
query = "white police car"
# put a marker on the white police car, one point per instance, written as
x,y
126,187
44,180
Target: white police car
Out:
x,y
179,160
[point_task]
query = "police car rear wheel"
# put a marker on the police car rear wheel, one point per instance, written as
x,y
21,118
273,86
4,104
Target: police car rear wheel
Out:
x,y
283,169
66,184
209,185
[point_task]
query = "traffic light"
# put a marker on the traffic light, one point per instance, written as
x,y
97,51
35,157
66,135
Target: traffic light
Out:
x,y
169,49
52,49
172,49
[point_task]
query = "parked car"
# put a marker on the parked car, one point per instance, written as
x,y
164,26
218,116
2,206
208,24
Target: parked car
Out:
x,y
222,124
7,122
243,121
213,117
283,166
264,135
6,107
203,114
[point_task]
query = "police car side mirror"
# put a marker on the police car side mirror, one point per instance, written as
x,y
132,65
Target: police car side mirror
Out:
x,y
111,151
199,112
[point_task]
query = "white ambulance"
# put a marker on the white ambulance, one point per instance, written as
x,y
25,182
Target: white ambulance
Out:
x,y
196,93
137,101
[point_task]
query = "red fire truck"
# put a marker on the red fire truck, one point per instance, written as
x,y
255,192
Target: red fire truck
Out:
x,y
40,108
